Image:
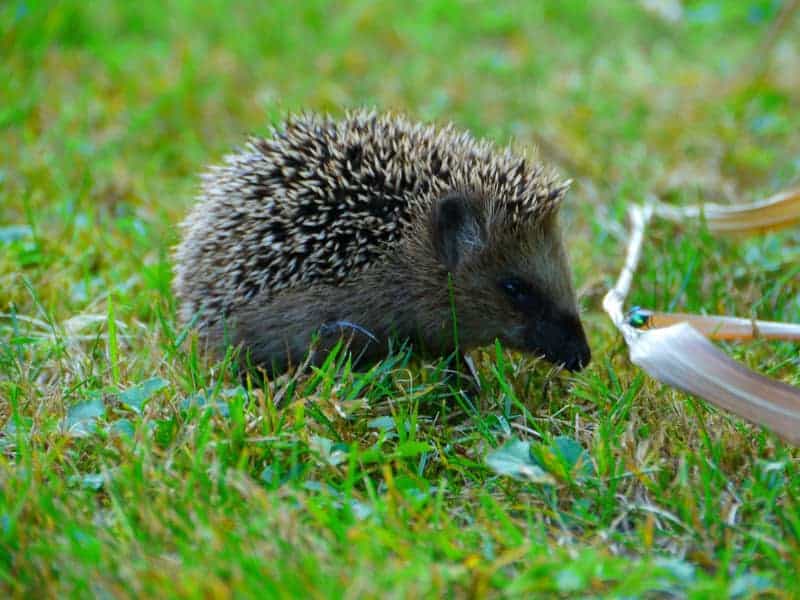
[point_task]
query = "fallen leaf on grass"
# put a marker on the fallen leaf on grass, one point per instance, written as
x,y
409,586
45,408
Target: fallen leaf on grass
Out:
x,y
681,357
136,396
514,459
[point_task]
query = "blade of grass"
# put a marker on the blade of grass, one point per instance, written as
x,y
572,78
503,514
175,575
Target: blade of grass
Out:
x,y
113,348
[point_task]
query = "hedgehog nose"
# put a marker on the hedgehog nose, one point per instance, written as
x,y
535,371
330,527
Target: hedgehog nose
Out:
x,y
580,357
562,341
578,352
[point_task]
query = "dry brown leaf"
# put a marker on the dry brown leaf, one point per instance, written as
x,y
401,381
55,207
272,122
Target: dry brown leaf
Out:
x,y
717,327
776,212
680,356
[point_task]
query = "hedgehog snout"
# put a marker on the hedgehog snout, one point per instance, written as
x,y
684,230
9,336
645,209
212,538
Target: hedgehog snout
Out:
x,y
561,340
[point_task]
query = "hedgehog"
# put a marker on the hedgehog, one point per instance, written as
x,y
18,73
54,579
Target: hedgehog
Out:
x,y
374,228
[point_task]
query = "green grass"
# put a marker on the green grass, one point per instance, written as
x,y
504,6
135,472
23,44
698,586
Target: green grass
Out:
x,y
133,466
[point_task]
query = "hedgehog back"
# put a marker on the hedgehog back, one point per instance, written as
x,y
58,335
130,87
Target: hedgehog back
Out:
x,y
322,200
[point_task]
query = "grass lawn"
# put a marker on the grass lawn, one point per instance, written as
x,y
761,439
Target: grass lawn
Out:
x,y
131,465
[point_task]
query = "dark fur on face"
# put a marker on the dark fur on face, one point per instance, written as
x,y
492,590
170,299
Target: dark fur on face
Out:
x,y
509,281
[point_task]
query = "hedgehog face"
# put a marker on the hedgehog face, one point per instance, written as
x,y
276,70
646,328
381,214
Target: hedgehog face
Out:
x,y
510,282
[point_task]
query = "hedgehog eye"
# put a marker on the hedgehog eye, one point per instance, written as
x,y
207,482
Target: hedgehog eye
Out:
x,y
515,288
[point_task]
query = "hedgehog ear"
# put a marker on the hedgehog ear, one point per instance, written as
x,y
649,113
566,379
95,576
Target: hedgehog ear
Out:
x,y
457,230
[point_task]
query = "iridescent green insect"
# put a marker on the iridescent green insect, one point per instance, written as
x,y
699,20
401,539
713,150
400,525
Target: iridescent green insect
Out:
x,y
637,317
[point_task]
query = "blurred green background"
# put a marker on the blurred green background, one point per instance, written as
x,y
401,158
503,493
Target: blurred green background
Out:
x,y
108,112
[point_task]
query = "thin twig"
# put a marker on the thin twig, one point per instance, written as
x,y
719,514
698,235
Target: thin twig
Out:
x,y
615,298
717,327
776,212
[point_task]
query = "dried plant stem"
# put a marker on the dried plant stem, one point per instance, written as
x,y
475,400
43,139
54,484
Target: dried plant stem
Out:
x,y
775,212
614,300
719,327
